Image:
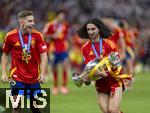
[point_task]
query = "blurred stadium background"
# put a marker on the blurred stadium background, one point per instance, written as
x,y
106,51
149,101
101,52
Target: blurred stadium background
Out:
x,y
83,100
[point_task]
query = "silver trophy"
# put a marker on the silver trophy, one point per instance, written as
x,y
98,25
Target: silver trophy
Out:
x,y
79,78
96,69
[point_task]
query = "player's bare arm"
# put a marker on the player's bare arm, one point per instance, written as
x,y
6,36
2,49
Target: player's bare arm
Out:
x,y
4,61
43,67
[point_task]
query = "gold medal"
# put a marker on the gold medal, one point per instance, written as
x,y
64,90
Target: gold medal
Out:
x,y
25,54
24,51
26,58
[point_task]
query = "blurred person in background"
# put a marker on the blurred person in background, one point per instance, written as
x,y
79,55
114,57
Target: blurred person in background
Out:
x,y
6,8
75,54
144,49
28,57
130,40
117,36
56,35
109,89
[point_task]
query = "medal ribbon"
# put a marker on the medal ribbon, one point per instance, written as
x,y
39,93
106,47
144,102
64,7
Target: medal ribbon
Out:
x,y
100,48
25,52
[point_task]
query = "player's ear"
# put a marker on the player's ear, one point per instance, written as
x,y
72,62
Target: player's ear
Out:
x,y
21,21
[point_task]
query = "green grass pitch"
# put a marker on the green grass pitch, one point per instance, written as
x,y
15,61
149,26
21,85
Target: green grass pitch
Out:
x,y
83,100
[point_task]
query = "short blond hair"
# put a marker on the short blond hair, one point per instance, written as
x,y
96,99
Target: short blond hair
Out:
x,y
24,13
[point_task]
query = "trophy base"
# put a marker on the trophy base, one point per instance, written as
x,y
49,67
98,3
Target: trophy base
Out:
x,y
87,83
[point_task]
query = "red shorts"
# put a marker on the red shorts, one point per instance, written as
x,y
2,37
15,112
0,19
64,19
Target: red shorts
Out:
x,y
106,85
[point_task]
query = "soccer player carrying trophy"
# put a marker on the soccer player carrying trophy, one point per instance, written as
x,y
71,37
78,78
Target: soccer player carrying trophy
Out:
x,y
102,65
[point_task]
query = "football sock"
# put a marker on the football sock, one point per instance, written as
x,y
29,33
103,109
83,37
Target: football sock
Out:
x,y
55,78
64,78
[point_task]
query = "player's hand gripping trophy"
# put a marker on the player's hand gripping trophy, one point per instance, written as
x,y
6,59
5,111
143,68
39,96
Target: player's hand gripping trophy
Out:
x,y
97,69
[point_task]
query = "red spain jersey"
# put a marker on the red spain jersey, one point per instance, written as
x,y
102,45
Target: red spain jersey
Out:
x,y
106,84
60,42
20,70
88,53
117,35
129,39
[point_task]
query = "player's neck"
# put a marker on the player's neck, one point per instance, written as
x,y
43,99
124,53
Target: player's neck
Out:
x,y
97,39
22,30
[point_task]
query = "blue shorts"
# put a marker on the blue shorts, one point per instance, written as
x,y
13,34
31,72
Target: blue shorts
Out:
x,y
130,53
20,88
128,56
59,57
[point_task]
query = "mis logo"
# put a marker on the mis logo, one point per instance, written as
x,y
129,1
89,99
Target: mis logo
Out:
x,y
25,99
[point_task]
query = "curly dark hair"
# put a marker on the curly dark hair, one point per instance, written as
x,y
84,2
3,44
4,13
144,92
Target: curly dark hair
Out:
x,y
104,31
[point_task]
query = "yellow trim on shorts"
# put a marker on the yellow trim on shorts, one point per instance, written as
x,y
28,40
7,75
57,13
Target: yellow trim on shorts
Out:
x,y
131,52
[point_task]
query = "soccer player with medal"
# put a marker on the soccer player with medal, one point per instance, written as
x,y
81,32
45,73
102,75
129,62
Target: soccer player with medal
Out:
x,y
102,66
28,58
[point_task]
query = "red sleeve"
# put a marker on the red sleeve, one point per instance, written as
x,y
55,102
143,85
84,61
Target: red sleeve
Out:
x,y
110,46
7,45
41,44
